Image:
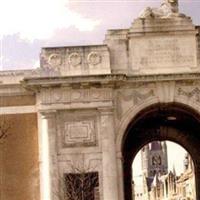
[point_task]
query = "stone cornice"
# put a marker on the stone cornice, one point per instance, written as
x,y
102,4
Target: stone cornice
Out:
x,y
13,90
110,80
26,72
76,46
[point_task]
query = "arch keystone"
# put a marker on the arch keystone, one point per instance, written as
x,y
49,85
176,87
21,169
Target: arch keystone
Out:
x,y
166,91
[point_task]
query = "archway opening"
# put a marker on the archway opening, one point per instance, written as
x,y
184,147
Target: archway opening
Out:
x,y
163,170
173,122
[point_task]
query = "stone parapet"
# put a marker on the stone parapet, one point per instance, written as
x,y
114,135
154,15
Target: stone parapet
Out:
x,y
158,25
15,76
163,45
76,60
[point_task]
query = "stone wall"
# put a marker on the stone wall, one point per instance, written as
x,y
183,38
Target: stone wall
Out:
x,y
86,98
19,172
77,60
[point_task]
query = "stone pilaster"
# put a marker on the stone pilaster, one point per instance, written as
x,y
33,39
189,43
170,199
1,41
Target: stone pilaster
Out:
x,y
120,175
109,162
50,170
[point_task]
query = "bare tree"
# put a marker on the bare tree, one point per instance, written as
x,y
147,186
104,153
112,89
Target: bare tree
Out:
x,y
5,126
80,184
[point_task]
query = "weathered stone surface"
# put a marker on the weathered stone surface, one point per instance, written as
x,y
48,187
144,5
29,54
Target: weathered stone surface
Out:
x,y
19,162
163,54
169,8
87,99
72,61
77,129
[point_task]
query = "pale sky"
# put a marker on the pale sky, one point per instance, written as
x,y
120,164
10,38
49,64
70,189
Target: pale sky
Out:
x,y
176,155
28,25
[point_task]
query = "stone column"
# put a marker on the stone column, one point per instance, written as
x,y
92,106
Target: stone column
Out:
x,y
165,190
110,180
48,157
120,175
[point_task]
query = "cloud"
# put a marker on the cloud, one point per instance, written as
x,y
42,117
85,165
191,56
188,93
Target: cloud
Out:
x,y
18,53
122,12
73,36
37,19
111,14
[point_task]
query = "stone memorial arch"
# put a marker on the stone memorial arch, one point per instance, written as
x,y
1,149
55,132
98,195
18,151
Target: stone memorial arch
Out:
x,y
94,107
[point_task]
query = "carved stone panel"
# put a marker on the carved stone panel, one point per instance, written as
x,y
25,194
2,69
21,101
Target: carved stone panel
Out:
x,y
73,61
163,53
189,92
127,98
79,133
77,129
94,58
58,95
55,60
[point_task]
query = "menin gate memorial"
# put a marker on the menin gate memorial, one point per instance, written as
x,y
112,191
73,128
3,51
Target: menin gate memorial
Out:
x,y
94,107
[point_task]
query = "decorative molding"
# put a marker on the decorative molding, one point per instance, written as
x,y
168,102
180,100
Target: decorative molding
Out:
x,y
24,73
74,59
55,60
77,129
94,58
166,91
65,165
17,90
95,164
115,80
136,96
167,10
57,95
192,93
128,98
79,133
80,161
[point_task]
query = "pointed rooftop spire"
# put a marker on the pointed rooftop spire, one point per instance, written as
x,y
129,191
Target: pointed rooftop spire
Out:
x,y
174,170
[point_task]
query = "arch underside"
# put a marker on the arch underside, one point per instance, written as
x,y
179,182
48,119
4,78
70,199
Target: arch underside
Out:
x,y
153,123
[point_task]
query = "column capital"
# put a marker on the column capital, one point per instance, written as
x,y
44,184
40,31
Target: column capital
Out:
x,y
106,110
48,114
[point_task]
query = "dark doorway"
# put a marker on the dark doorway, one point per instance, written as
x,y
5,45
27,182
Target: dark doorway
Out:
x,y
161,122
